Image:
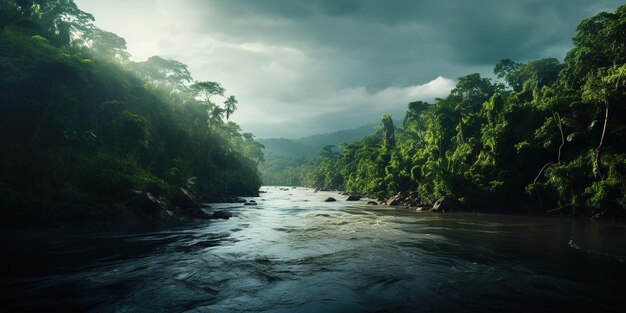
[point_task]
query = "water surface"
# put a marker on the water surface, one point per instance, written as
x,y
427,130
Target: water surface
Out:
x,y
294,253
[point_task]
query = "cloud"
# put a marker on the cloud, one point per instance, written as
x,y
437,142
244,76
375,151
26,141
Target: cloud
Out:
x,y
300,67
344,108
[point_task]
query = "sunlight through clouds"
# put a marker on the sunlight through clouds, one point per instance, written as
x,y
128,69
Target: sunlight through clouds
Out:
x,y
300,67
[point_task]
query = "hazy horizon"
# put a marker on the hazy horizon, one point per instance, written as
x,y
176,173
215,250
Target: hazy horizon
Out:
x,y
303,68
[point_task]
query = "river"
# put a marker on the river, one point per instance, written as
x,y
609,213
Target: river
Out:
x,y
295,253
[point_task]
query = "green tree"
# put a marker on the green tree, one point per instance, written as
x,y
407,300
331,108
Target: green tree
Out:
x,y
230,106
167,73
206,90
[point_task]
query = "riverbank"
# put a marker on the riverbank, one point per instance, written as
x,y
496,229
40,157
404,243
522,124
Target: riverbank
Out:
x,y
412,202
133,208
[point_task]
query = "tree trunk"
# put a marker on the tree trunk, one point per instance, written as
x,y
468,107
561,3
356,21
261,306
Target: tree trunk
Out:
x,y
541,171
560,125
606,120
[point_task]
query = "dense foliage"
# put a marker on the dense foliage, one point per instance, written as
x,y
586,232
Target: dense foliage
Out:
x,y
81,125
550,139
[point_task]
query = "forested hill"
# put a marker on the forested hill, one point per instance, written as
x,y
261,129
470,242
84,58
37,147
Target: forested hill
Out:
x,y
549,138
84,131
283,156
308,147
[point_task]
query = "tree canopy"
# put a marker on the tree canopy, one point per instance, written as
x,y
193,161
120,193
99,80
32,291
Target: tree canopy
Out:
x,y
82,126
549,140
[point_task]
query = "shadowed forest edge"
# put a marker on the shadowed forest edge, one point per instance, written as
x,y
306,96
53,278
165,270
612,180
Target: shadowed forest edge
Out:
x,y
85,131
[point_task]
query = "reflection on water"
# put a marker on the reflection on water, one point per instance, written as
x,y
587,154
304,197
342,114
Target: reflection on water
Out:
x,y
295,253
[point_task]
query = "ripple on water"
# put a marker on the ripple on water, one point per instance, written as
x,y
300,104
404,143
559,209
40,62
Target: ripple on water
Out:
x,y
573,245
318,257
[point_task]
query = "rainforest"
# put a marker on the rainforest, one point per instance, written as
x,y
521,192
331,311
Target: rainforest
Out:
x,y
85,130
324,156
545,137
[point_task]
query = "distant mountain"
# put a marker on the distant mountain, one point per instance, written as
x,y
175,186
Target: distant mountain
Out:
x,y
309,146
285,147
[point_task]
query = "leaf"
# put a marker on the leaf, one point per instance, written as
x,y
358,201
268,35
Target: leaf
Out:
x,y
593,123
573,135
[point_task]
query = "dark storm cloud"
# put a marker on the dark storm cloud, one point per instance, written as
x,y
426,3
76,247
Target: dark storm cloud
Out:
x,y
399,42
302,67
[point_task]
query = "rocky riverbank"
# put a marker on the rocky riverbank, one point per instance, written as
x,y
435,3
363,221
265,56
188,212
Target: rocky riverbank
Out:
x,y
412,201
136,207
408,200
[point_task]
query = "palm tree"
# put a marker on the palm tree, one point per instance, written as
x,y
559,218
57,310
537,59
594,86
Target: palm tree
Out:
x,y
216,115
230,106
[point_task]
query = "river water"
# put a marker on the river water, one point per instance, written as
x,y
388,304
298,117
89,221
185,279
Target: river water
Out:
x,y
294,253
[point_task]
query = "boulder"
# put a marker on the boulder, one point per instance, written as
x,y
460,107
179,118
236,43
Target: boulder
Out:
x,y
395,200
250,203
147,204
194,213
382,200
178,211
330,199
444,204
168,215
222,214
372,202
183,199
353,198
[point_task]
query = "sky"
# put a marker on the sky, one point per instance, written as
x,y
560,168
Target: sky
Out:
x,y
299,68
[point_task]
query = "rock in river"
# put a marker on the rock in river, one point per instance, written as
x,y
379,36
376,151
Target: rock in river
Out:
x,y
395,200
330,199
147,204
183,199
222,214
444,204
